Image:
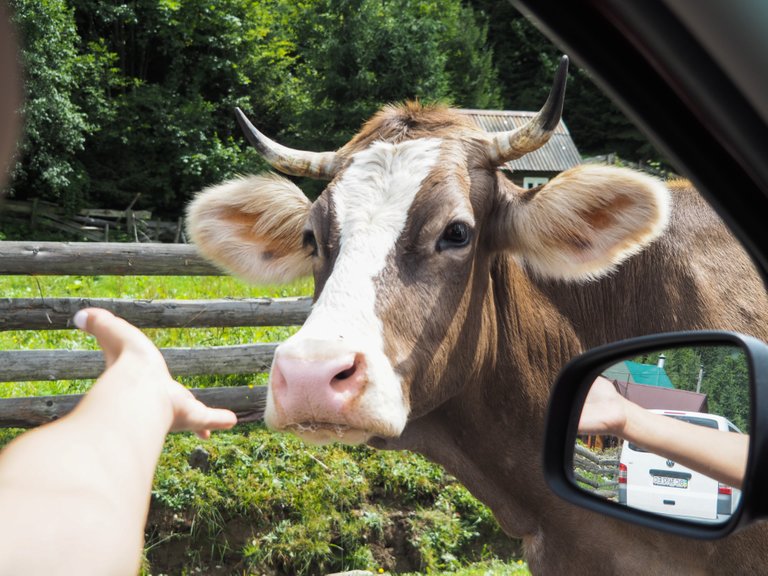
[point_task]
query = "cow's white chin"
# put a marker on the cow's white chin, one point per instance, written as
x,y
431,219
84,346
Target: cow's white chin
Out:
x,y
326,433
317,428
321,433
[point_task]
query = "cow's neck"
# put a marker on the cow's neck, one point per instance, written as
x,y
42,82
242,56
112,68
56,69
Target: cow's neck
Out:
x,y
538,327
509,401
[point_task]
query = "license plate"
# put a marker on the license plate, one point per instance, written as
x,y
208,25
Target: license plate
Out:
x,y
670,482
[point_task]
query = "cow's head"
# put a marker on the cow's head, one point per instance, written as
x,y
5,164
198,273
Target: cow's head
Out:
x,y
401,245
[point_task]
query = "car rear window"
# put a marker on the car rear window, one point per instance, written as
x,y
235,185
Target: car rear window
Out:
x,y
706,422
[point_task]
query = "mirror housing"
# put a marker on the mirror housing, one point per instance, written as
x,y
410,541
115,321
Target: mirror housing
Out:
x,y
569,394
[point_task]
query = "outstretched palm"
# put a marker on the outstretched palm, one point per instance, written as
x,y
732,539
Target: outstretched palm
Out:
x,y
130,354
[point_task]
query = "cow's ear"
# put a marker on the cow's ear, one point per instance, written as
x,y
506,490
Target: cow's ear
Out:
x,y
585,221
253,227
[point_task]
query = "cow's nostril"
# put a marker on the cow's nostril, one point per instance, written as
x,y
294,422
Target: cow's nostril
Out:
x,y
347,373
344,374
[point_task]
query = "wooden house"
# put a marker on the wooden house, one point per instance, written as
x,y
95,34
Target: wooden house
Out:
x,y
536,167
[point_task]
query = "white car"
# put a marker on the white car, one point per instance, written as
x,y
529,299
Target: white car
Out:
x,y
656,484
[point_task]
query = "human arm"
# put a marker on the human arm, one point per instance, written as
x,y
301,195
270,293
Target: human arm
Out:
x,y
74,494
719,455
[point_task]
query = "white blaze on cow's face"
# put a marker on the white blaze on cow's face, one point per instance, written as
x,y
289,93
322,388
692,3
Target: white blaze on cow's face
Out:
x,y
332,380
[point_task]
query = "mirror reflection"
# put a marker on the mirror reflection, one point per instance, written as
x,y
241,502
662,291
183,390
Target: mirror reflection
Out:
x,y
667,432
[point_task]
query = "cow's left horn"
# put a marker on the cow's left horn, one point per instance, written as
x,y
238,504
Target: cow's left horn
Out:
x,y
319,165
507,146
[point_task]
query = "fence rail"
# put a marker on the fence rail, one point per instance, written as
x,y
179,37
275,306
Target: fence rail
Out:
x,y
94,224
247,403
98,258
598,472
56,313
103,258
25,365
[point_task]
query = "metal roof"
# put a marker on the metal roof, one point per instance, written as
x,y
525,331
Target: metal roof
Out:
x,y
559,154
654,397
648,374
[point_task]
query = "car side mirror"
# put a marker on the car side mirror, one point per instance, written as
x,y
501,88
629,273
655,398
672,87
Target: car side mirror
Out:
x,y
665,431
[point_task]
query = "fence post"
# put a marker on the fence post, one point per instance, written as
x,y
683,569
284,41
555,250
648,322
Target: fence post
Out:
x,y
33,215
179,228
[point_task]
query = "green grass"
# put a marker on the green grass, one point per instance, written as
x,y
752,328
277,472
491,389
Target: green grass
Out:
x,y
264,502
491,568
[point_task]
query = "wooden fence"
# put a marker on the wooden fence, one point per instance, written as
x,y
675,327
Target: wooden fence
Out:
x,y
95,223
597,473
54,258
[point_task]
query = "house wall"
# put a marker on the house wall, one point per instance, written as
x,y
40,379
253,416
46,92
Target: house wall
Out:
x,y
519,176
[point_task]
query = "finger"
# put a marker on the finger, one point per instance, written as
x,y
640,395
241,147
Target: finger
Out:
x,y
199,418
220,419
112,333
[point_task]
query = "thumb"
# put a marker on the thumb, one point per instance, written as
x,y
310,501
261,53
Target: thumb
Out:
x,y
113,334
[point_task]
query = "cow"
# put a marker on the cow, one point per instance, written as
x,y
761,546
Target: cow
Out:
x,y
447,299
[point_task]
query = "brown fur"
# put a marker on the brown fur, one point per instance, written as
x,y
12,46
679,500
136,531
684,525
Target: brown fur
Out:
x,y
410,121
485,344
510,335
478,339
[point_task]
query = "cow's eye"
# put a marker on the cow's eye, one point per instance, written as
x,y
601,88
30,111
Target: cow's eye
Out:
x,y
309,241
455,235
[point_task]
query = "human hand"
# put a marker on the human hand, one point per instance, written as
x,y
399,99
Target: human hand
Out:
x,y
604,410
131,359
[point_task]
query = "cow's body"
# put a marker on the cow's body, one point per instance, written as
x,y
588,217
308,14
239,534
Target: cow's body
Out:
x,y
447,300
490,435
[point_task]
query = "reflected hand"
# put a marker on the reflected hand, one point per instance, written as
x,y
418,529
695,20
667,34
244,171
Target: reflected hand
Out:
x,y
604,410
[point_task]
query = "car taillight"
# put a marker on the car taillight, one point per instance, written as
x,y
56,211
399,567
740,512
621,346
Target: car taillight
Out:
x,y
622,473
723,489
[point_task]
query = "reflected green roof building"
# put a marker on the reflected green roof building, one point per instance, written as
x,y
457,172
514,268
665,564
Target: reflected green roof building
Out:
x,y
636,373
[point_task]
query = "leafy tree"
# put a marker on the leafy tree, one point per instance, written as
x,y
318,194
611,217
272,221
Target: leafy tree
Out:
x,y
682,366
65,101
725,378
137,96
726,383
142,93
526,61
473,76
361,54
186,65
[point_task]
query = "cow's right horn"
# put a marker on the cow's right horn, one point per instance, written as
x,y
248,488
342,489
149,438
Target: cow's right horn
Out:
x,y
319,165
507,146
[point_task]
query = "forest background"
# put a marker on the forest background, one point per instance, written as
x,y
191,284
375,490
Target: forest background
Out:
x,y
129,97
